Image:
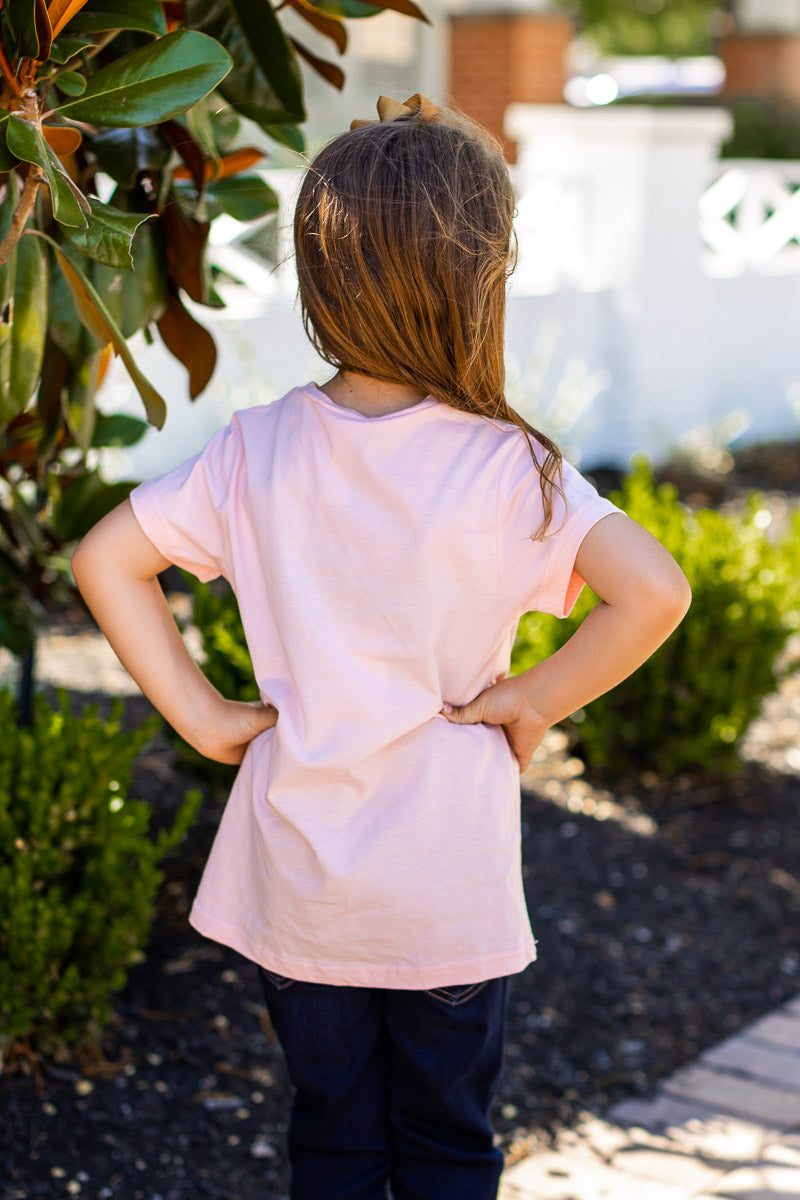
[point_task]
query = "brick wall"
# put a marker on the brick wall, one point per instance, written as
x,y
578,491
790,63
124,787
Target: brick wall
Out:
x,y
501,59
761,65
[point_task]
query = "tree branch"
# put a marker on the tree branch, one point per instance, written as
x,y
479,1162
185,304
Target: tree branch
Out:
x,y
21,213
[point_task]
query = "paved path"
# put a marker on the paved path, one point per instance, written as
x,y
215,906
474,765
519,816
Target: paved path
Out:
x,y
726,1126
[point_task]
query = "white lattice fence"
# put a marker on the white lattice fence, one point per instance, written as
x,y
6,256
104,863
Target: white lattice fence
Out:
x,y
750,219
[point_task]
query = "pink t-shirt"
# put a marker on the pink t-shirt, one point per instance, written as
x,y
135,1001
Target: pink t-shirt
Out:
x,y
381,565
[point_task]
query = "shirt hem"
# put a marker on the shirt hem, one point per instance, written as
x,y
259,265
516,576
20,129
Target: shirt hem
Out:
x,y
365,974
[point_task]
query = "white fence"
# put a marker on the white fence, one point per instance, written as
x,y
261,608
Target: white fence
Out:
x,y
656,299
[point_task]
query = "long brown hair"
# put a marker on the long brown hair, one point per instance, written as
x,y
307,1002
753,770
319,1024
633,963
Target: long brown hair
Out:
x,y
403,243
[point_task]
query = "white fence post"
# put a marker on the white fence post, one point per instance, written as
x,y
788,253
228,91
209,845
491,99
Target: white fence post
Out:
x,y
608,202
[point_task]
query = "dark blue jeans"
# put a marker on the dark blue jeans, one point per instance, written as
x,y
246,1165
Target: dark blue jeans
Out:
x,y
393,1088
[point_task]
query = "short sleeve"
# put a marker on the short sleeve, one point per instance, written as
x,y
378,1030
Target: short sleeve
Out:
x,y
186,513
539,575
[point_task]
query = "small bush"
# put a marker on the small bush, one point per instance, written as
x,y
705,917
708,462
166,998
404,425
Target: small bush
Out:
x,y
78,870
689,705
226,659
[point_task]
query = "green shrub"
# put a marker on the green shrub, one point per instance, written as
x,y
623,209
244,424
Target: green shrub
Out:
x,y
78,870
763,128
226,660
690,704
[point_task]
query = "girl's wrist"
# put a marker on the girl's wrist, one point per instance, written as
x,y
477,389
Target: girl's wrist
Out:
x,y
530,703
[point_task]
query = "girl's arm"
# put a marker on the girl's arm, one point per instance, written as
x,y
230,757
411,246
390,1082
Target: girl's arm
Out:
x,y
643,594
115,568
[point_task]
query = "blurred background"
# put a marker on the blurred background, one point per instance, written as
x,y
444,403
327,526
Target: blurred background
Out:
x,y
655,149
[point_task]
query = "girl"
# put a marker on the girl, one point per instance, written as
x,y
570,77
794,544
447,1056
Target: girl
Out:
x,y
383,533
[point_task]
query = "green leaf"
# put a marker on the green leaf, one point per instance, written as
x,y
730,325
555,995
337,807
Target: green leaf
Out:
x,y
118,429
7,280
346,8
198,121
108,234
27,143
244,197
29,316
71,83
135,298
287,135
7,160
98,321
30,28
153,83
266,86
64,48
18,623
98,16
122,153
86,501
67,331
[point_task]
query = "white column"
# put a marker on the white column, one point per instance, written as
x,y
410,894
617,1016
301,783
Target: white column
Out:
x,y
624,185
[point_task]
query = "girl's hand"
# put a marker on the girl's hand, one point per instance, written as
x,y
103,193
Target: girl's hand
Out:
x,y
233,730
505,704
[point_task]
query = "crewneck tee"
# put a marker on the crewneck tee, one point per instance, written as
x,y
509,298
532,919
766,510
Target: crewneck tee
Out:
x,y
381,565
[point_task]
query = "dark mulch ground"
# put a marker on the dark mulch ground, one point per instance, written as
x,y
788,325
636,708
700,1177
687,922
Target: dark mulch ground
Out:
x,y
666,919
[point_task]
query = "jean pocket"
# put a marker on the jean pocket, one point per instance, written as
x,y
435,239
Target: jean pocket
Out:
x,y
457,994
281,982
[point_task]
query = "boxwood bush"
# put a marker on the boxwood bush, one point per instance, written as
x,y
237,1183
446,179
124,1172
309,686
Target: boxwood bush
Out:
x,y
79,871
690,704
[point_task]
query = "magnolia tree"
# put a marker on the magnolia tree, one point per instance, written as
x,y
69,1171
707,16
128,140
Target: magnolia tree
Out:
x,y
142,93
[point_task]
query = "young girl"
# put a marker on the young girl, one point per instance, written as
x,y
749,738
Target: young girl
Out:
x,y
383,533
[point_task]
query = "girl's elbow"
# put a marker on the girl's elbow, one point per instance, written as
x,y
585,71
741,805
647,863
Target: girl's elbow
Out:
x,y
674,595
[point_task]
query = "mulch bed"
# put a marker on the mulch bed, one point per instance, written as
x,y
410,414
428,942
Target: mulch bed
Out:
x,y
666,917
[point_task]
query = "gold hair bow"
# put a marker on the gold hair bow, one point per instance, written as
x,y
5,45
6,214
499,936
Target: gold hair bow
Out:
x,y
388,110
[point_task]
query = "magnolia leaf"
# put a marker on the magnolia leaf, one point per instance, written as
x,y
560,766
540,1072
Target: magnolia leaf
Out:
x,y
97,320
101,15
44,30
328,70
266,86
71,83
27,143
31,285
61,11
108,234
62,139
347,8
355,8
53,377
84,502
222,168
117,430
153,83
182,141
7,160
245,198
65,48
199,124
185,239
30,28
407,7
329,26
287,135
189,342
123,153
135,298
66,331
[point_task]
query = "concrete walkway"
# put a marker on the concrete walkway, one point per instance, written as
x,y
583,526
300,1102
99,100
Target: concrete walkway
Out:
x,y
726,1126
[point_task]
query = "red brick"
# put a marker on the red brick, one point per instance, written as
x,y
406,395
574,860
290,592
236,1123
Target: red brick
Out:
x,y
504,59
